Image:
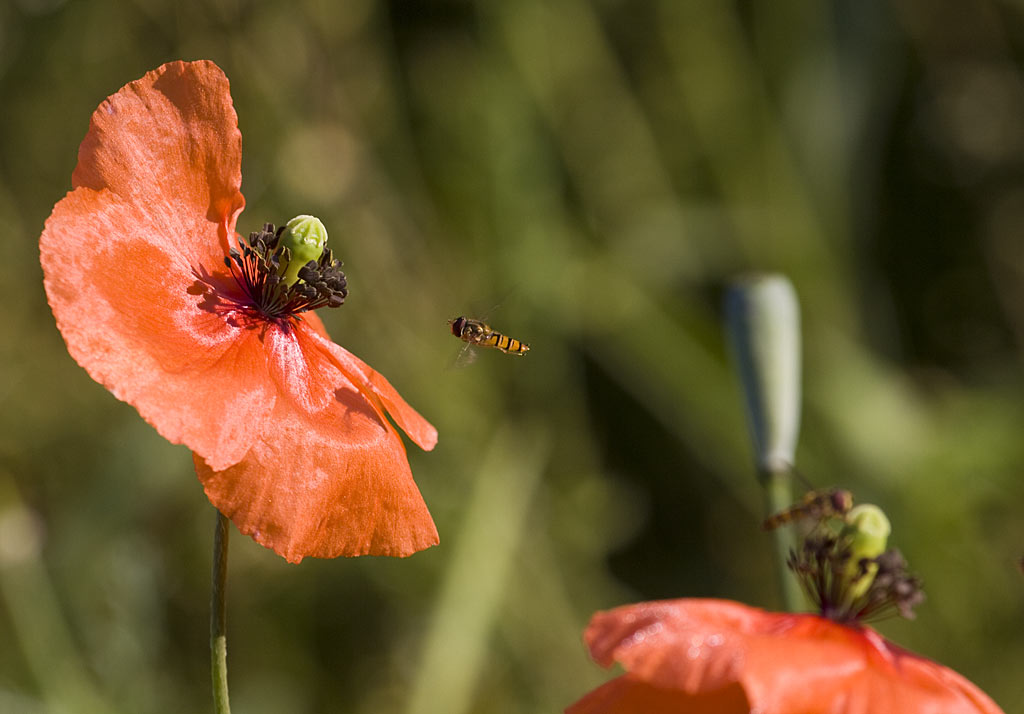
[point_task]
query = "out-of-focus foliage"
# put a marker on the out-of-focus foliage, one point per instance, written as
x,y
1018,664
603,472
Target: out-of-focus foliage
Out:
x,y
599,169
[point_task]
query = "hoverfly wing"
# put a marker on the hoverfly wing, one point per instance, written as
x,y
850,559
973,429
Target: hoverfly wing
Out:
x,y
465,357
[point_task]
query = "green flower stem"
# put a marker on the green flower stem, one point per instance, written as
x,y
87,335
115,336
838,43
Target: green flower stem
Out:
x,y
778,489
219,617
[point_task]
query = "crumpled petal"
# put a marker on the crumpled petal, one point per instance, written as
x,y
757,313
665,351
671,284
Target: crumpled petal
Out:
x,y
156,195
785,663
629,694
376,387
136,318
170,141
327,476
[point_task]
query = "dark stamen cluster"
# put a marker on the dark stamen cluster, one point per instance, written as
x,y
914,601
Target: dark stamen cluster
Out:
x,y
257,267
829,578
894,587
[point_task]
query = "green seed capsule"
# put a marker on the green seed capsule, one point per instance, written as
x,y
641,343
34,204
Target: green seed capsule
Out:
x,y
867,528
305,238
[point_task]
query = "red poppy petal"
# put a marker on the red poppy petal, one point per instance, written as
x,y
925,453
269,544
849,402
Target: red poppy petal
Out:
x,y
854,666
170,141
648,637
128,307
358,372
313,322
326,477
787,664
631,695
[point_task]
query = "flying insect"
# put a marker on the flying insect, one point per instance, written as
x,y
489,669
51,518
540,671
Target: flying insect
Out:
x,y
479,334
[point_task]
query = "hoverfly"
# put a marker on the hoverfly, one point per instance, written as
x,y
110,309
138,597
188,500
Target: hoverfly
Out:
x,y
480,334
815,505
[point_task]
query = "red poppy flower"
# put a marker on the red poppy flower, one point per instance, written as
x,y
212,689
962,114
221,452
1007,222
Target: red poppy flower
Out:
x,y
694,655
290,432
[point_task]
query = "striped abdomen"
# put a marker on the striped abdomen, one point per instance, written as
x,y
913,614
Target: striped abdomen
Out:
x,y
505,343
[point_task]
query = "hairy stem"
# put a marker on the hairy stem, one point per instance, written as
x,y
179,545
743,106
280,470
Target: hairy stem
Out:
x,y
219,617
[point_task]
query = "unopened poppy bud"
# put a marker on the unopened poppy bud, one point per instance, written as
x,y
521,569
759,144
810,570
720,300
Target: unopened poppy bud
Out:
x,y
763,319
867,530
305,238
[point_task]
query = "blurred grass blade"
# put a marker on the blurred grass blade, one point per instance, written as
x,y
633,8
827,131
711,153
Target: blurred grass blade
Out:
x,y
476,581
40,628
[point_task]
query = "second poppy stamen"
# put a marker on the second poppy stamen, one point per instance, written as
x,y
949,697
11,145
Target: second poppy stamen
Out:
x,y
849,575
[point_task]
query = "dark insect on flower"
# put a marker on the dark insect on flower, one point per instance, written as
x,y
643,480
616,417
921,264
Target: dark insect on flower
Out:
x,y
815,505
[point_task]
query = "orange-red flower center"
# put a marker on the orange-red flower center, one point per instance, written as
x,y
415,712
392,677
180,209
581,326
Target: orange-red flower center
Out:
x,y
258,267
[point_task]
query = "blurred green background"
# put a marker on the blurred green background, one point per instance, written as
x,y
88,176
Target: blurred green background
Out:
x,y
600,169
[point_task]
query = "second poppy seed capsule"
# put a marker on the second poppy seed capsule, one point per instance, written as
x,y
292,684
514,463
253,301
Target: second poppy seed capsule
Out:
x,y
868,529
305,238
